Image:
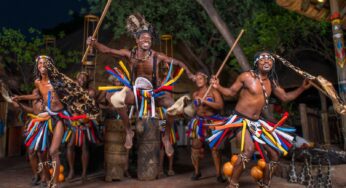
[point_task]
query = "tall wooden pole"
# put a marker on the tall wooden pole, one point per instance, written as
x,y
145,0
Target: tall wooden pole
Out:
x,y
324,118
339,56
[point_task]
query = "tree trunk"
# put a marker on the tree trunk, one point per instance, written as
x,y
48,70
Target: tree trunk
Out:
x,y
339,47
194,56
222,27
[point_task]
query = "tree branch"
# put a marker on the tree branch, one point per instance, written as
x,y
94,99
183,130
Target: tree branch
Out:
x,y
194,56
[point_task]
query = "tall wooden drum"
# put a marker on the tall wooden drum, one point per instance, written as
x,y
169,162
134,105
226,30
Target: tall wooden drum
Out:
x,y
148,150
115,152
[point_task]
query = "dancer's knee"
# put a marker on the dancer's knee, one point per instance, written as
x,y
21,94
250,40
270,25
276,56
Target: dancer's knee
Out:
x,y
54,153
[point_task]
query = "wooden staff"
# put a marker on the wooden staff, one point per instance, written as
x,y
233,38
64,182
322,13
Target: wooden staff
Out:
x,y
224,61
97,27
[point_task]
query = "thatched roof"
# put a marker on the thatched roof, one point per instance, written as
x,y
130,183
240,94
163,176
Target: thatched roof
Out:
x,y
313,9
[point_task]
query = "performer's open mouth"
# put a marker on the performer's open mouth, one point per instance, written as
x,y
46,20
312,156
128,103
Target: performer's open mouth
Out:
x,y
146,45
266,67
43,69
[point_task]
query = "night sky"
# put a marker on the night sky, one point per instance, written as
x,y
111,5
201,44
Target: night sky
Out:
x,y
40,14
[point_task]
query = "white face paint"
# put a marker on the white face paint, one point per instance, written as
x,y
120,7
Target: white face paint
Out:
x,y
265,62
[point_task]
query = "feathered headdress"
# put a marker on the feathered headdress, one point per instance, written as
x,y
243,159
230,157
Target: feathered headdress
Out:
x,y
136,25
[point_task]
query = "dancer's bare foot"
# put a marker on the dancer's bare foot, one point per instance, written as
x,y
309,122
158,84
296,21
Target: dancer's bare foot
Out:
x,y
170,173
232,184
168,146
70,176
84,179
161,174
127,173
129,137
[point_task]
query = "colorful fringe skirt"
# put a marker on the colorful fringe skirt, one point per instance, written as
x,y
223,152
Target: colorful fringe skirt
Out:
x,y
81,130
198,127
262,132
174,136
39,130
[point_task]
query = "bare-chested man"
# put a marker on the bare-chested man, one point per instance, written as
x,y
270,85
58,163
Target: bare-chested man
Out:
x,y
85,133
143,62
206,114
255,87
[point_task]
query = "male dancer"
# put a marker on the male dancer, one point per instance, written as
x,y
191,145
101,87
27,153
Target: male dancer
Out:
x,y
254,88
143,62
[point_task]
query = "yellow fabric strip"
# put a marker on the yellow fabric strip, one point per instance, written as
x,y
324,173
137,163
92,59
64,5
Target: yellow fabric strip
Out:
x,y
102,88
243,136
161,114
50,125
145,107
69,135
121,63
175,78
32,115
274,142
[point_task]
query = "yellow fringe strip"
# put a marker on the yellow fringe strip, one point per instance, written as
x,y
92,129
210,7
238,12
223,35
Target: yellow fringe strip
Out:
x,y
103,88
69,135
145,104
175,78
121,63
161,114
243,136
50,125
275,143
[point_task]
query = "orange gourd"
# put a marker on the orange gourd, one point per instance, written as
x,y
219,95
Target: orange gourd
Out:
x,y
61,177
256,173
234,159
61,168
261,164
228,169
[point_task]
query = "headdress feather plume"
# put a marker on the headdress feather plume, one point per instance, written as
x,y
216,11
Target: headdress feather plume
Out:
x,y
136,24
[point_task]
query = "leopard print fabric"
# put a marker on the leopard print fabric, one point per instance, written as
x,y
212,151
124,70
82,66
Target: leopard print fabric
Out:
x,y
70,93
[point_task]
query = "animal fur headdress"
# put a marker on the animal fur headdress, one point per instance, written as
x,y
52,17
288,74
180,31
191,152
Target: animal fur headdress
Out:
x,y
136,25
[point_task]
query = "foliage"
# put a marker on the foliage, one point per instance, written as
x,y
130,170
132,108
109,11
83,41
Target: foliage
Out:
x,y
267,26
18,52
279,30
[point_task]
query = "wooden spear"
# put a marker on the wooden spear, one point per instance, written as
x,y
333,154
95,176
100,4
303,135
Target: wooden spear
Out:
x,y
224,61
97,27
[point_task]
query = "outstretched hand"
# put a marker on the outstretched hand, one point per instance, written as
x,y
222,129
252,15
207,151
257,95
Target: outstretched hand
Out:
x,y
306,84
91,41
193,78
15,98
215,82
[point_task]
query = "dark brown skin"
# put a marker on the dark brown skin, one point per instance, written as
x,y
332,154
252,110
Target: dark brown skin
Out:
x,y
82,80
206,108
251,102
35,157
44,86
144,68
